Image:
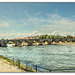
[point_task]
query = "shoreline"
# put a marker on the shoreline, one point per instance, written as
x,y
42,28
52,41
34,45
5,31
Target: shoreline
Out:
x,y
71,43
8,65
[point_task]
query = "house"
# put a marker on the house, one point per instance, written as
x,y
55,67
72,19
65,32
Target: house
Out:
x,y
27,37
15,38
73,37
32,37
22,38
36,36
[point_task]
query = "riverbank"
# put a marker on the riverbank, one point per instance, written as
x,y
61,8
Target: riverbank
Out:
x,y
7,67
61,43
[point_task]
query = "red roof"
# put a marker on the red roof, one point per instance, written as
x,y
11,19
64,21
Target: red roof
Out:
x,y
22,38
15,38
73,36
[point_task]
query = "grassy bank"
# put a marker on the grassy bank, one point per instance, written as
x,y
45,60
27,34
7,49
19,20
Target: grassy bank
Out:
x,y
17,63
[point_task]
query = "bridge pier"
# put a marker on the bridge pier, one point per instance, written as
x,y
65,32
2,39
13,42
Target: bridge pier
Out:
x,y
49,43
30,44
46,42
3,44
18,44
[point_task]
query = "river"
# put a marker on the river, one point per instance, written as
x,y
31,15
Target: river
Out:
x,y
49,56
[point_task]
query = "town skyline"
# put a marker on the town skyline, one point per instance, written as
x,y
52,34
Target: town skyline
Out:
x,y
30,19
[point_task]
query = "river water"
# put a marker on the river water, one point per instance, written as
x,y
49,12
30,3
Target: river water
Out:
x,y
49,56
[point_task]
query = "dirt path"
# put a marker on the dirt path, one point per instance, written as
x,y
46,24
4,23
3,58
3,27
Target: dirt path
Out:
x,y
5,67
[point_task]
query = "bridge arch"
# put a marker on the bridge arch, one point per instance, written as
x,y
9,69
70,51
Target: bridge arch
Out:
x,y
46,42
53,40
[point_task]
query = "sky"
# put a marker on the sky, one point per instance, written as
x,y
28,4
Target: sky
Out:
x,y
19,20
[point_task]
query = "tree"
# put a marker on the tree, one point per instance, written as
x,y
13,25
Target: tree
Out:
x,y
58,36
51,36
47,37
68,36
10,42
41,36
2,39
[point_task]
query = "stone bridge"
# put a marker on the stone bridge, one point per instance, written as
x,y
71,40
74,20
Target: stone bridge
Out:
x,y
3,43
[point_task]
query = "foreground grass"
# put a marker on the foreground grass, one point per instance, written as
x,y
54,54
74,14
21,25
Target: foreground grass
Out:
x,y
17,63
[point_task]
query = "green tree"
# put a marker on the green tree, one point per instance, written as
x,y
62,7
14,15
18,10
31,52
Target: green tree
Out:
x,y
2,39
10,42
47,37
41,36
51,36
58,36
68,36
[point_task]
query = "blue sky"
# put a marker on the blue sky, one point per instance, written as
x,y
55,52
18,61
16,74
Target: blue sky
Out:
x,y
29,19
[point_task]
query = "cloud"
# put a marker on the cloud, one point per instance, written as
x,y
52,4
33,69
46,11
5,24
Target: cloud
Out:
x,y
30,19
34,33
63,24
12,35
4,24
26,13
59,32
73,16
52,19
18,35
54,16
55,22
62,33
51,23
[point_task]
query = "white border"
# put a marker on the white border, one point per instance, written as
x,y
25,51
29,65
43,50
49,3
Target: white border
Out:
x,y
37,0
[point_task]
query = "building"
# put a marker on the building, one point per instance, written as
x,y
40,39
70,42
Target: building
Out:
x,y
73,37
32,37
